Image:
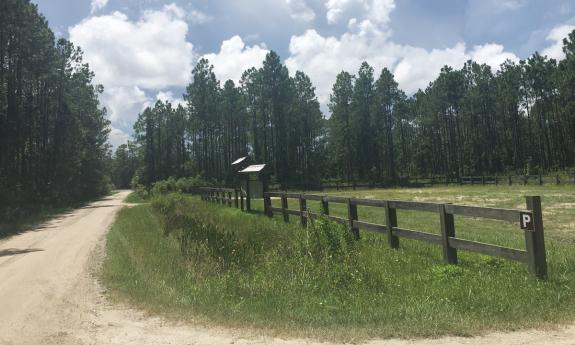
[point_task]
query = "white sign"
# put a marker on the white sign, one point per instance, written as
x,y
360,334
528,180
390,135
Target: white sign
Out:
x,y
526,220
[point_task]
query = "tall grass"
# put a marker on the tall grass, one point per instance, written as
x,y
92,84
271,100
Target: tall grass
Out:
x,y
182,255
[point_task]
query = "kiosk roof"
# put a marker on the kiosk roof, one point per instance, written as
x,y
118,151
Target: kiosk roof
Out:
x,y
239,160
253,169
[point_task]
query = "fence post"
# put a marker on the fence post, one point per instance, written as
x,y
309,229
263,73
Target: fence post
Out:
x,y
483,180
242,200
535,240
303,210
391,222
236,201
540,179
324,205
352,215
510,182
268,205
447,230
285,207
229,199
496,180
557,180
248,200
525,180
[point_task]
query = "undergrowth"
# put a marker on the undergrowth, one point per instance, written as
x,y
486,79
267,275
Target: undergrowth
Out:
x,y
181,255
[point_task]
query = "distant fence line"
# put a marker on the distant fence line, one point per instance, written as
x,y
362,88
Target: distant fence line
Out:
x,y
440,180
530,221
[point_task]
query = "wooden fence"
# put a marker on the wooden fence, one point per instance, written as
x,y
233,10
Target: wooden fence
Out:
x,y
226,196
441,180
530,220
517,179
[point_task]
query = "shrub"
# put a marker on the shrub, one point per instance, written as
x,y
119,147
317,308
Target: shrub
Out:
x,y
327,240
200,240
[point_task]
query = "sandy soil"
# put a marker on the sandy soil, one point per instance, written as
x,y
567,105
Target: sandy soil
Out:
x,y
49,295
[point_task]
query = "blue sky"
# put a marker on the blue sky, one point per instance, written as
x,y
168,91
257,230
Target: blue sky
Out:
x,y
144,50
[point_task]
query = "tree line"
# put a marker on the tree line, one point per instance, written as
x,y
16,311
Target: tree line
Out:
x,y
519,119
53,134
271,116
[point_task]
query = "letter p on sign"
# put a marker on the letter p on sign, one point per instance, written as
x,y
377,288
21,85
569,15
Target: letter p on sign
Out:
x,y
526,221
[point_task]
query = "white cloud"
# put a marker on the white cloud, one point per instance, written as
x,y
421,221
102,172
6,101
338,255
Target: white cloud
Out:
x,y
380,10
492,54
377,11
168,96
555,50
124,103
150,53
118,137
322,58
97,5
198,17
418,67
300,10
235,57
131,58
335,9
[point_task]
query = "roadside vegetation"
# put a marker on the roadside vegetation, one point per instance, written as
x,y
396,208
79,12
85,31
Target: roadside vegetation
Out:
x,y
31,219
16,225
180,256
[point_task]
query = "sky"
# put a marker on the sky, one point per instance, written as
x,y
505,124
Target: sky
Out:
x,y
142,51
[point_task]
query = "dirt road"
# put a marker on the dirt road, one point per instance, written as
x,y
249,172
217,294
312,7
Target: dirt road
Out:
x,y
49,295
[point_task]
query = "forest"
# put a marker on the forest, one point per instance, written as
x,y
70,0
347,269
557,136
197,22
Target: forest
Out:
x,y
53,133
518,119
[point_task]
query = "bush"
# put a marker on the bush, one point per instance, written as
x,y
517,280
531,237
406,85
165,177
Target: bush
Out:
x,y
327,240
171,185
202,241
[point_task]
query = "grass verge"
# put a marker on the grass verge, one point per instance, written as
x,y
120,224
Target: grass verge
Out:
x,y
180,255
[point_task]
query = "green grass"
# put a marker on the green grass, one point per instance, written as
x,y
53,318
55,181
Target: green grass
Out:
x,y
242,269
136,198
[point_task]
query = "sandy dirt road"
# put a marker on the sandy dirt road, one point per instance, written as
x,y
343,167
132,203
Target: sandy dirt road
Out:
x,y
49,294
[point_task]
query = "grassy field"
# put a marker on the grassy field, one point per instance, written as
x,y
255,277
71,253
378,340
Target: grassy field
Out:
x,y
189,258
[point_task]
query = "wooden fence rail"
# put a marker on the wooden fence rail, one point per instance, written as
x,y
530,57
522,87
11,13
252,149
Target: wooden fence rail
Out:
x,y
225,196
530,221
568,178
